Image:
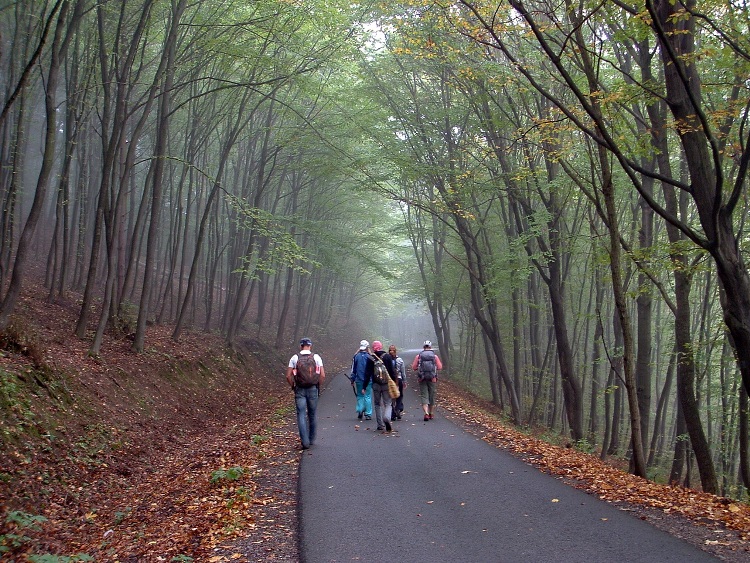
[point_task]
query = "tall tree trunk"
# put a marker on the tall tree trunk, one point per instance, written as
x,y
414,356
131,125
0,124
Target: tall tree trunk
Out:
x,y
8,304
596,359
229,142
162,134
680,447
703,157
744,439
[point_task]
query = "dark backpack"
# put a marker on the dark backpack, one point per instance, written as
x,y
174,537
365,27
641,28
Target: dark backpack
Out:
x,y
306,372
426,369
380,373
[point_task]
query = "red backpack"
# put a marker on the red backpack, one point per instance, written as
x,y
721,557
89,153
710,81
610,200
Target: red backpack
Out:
x,y
306,372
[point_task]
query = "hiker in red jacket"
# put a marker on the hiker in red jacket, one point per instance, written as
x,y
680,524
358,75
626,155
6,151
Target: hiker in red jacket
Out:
x,y
426,364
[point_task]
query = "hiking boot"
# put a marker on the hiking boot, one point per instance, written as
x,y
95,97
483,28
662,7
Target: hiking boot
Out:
x,y
359,415
431,417
387,426
368,417
380,429
427,417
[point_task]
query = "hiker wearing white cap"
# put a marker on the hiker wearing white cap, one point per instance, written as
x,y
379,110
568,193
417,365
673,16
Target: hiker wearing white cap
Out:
x,y
427,364
361,366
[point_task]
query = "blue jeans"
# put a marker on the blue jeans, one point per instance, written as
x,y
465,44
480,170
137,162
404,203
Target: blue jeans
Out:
x,y
306,400
364,402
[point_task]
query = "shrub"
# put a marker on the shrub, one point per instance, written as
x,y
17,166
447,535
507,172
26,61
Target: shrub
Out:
x,y
231,474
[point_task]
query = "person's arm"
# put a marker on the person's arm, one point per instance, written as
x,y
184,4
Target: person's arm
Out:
x,y
438,363
319,361
390,365
290,376
415,363
402,370
369,369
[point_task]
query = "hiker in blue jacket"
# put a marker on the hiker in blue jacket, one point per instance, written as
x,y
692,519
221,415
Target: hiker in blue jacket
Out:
x,y
361,366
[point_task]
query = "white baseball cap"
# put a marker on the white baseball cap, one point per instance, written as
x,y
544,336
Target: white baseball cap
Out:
x,y
427,343
363,344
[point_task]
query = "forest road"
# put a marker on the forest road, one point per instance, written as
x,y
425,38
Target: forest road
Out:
x,y
430,492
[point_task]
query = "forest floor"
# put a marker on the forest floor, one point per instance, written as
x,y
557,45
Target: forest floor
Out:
x,y
189,452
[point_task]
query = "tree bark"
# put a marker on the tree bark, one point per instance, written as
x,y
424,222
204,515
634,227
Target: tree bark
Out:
x,y
178,7
8,304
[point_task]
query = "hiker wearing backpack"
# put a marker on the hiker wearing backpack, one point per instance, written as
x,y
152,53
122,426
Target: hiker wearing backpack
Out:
x,y
361,366
426,364
382,369
305,374
397,405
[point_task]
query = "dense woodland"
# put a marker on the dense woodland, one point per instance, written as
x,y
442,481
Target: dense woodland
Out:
x,y
561,187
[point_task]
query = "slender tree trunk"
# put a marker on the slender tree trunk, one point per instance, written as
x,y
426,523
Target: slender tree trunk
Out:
x,y
596,359
680,447
8,304
744,439
661,411
162,135
229,142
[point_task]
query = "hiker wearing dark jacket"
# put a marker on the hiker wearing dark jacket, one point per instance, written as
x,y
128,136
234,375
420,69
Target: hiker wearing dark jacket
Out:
x,y
362,366
427,364
397,404
380,395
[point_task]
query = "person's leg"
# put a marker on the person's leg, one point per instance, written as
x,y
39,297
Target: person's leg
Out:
x,y
377,395
312,407
361,406
387,408
432,385
400,400
424,396
368,402
300,400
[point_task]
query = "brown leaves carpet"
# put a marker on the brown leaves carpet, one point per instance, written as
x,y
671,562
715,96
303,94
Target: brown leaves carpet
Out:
x,y
178,454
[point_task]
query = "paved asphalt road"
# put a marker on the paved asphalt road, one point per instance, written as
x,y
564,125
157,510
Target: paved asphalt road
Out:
x,y
429,492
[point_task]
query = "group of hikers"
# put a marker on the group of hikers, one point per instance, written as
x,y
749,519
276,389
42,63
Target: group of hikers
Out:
x,y
378,379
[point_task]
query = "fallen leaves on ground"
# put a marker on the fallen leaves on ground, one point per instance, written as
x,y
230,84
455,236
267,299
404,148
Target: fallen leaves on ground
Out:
x,y
163,489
